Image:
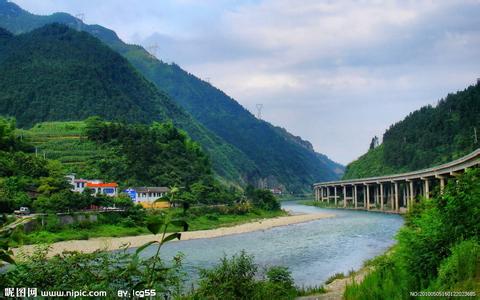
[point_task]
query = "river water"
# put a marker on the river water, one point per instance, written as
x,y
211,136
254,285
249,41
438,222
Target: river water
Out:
x,y
312,251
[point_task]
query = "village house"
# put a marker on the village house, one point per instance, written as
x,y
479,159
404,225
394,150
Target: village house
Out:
x,y
276,191
146,196
97,186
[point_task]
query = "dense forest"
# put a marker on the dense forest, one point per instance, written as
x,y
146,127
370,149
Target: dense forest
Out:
x,y
267,152
429,136
56,73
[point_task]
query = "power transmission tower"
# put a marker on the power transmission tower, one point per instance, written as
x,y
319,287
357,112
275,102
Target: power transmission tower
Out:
x,y
80,19
207,79
152,50
259,110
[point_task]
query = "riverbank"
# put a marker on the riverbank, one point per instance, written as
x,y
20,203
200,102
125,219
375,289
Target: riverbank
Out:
x,y
117,227
109,244
335,289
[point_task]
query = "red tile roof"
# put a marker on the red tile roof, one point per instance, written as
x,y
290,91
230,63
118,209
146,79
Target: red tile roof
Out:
x,y
108,184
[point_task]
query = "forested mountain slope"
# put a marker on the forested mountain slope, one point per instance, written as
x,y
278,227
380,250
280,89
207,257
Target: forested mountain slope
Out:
x,y
55,73
277,154
426,137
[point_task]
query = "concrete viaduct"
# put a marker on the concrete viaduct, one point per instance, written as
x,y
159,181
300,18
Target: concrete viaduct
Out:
x,y
393,193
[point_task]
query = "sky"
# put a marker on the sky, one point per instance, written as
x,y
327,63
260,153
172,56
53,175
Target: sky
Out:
x,y
335,73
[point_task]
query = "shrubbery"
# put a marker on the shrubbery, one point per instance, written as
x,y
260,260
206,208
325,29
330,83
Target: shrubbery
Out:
x,y
238,277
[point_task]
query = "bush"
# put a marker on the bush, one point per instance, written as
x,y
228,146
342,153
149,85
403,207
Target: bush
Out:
x,y
238,278
263,199
128,222
279,284
108,271
461,268
52,223
232,279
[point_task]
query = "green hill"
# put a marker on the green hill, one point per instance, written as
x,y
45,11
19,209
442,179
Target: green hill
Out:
x,y
278,155
426,137
55,73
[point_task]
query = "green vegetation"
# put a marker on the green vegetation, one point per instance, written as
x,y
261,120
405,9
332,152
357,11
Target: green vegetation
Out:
x,y
237,278
79,77
242,148
103,270
334,277
141,155
426,137
76,76
65,142
437,250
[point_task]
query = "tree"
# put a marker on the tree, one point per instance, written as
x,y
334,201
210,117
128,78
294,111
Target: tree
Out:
x,y
374,143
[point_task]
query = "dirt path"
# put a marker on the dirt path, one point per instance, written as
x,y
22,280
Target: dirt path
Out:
x,y
336,288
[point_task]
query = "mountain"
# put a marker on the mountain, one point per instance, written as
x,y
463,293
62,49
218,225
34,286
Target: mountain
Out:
x,y
55,73
281,158
426,137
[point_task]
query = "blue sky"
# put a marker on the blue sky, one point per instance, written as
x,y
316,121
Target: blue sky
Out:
x,y
334,72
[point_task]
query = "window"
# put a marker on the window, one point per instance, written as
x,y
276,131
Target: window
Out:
x,y
108,190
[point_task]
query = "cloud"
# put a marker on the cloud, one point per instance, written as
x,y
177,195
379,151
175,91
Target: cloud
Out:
x,y
334,72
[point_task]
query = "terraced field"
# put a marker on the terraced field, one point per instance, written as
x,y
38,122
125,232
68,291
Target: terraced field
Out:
x,y
65,142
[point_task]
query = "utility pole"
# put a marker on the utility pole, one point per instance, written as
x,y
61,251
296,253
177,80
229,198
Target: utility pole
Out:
x,y
152,50
475,138
259,110
80,19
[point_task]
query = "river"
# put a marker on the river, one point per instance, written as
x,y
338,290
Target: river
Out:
x,y
312,251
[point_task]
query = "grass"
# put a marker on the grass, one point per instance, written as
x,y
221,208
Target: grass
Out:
x,y
211,221
334,277
203,222
66,234
310,290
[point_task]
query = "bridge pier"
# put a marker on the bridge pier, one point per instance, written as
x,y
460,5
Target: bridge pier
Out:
x,y
355,196
367,196
381,196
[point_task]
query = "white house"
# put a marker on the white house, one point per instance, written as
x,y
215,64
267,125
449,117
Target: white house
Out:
x,y
98,187
147,195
